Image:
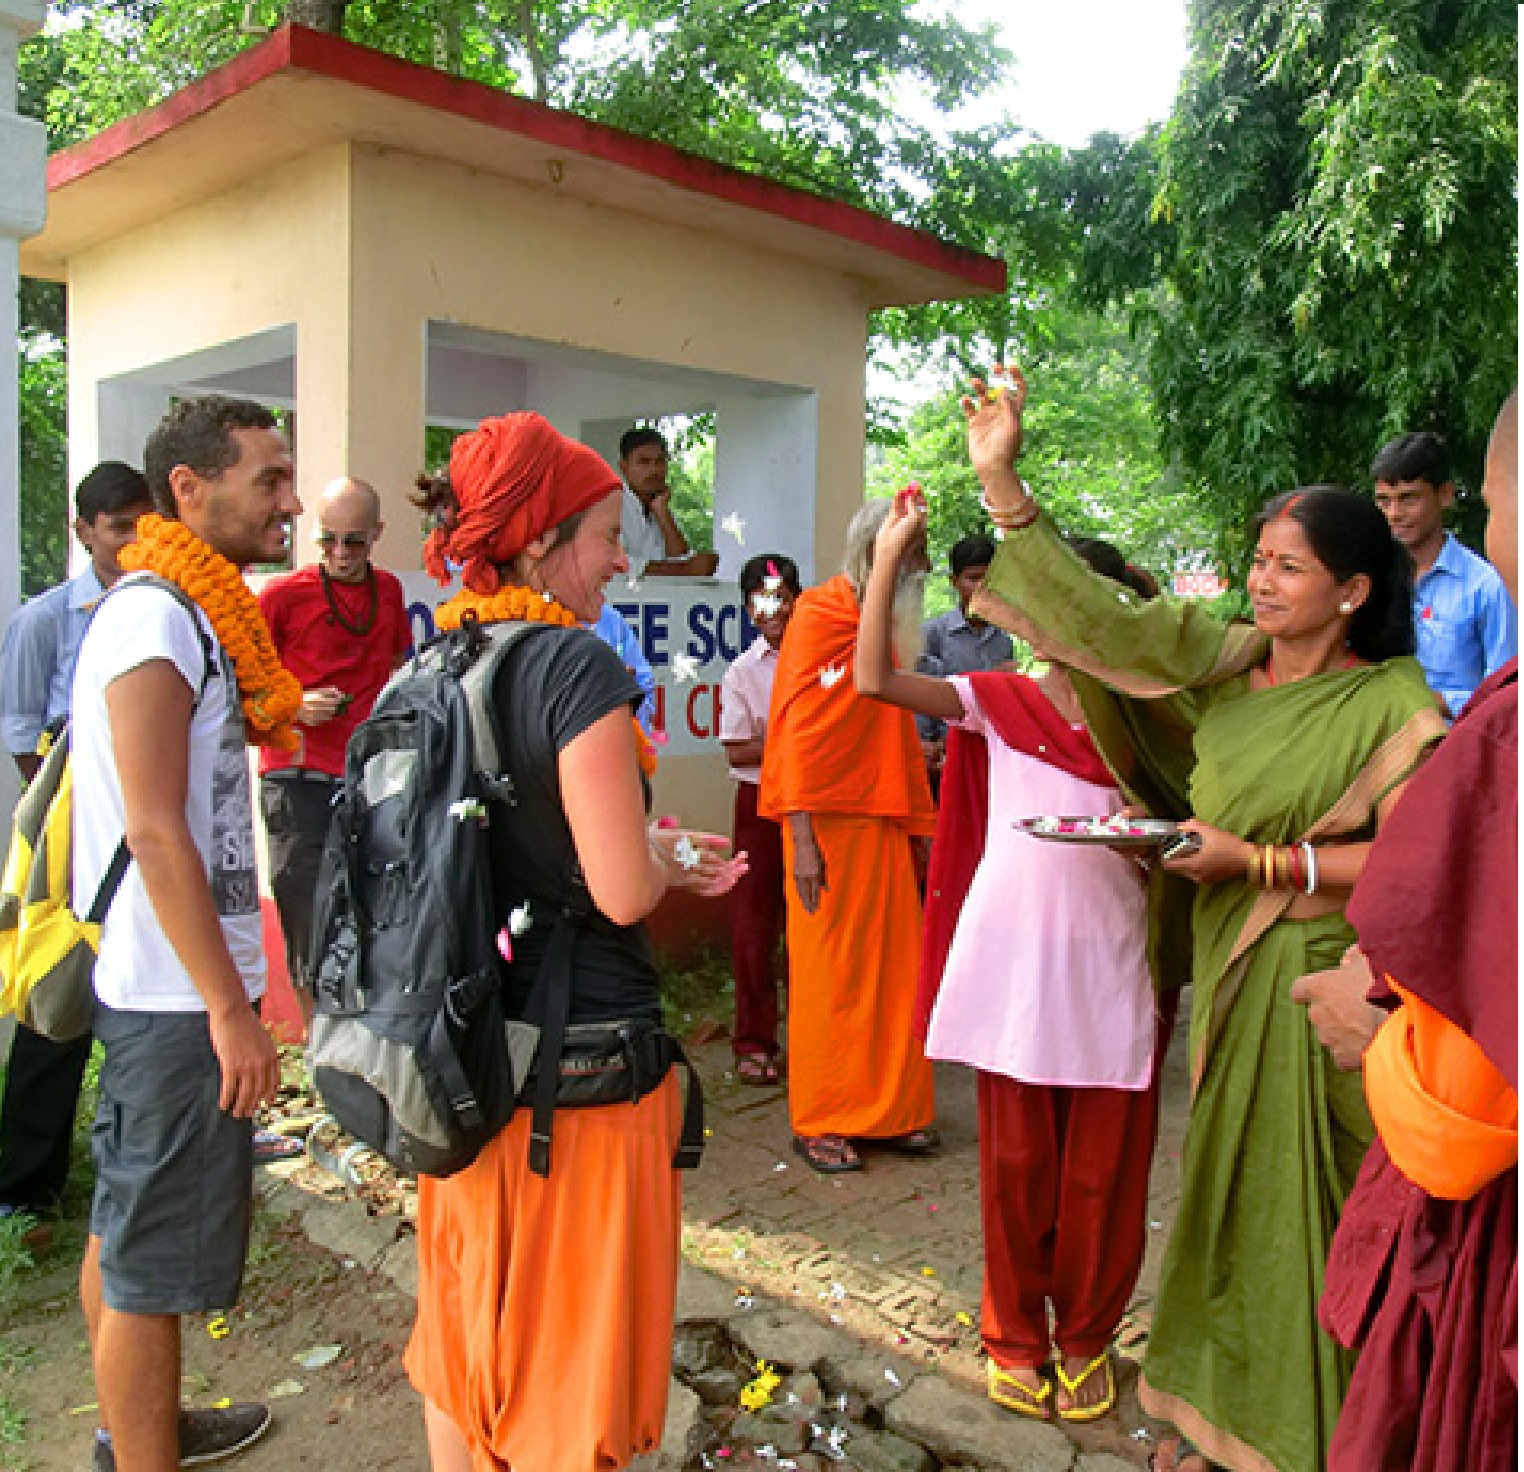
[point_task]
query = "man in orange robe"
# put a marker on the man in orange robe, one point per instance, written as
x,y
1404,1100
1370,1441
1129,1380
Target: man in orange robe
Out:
x,y
844,776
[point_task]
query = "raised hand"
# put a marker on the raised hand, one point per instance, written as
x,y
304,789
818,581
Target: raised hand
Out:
x,y
993,415
903,529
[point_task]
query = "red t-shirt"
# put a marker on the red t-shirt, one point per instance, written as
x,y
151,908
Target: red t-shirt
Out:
x,y
319,650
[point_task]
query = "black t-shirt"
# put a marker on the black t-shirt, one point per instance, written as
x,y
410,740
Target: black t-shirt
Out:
x,y
551,688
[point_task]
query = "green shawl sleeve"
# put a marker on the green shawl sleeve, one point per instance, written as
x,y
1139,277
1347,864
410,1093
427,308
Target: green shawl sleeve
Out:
x,y
1144,669
1147,666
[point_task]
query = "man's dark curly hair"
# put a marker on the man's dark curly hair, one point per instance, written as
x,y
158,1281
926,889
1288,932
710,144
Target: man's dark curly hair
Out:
x,y
198,433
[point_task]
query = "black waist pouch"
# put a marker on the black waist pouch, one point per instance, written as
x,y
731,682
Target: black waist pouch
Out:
x,y
603,1063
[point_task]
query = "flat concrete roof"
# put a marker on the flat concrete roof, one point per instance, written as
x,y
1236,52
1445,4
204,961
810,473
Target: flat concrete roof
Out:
x,y
301,90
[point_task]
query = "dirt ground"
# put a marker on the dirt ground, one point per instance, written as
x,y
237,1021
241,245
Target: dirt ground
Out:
x,y
356,1411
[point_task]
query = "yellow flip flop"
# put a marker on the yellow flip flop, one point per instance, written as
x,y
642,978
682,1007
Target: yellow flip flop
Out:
x,y
1006,1390
1102,1361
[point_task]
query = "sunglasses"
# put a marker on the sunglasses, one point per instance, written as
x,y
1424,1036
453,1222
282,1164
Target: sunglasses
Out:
x,y
350,541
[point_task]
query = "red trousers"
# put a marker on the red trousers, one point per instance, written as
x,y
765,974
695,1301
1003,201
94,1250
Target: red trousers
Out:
x,y
756,926
1063,1193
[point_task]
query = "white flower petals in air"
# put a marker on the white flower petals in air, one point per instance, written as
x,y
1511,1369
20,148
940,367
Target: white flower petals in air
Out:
x,y
684,668
735,525
632,583
830,675
765,605
519,920
685,853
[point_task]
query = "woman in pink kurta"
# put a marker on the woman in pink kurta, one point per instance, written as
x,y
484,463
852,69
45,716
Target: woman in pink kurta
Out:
x,y
1046,992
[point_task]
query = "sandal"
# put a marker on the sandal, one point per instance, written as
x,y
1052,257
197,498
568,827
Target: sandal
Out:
x,y
1006,1390
1071,1387
1185,1449
831,1155
758,1069
270,1145
917,1142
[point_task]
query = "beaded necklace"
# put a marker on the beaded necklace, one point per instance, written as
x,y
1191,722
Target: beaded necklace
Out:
x,y
336,609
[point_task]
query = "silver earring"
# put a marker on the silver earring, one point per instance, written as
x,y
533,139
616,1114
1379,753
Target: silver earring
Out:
x,y
1346,606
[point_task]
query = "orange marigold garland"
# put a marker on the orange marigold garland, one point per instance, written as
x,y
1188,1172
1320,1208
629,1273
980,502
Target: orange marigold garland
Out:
x,y
524,605
271,695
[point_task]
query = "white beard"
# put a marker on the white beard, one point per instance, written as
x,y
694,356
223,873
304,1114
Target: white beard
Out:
x,y
909,615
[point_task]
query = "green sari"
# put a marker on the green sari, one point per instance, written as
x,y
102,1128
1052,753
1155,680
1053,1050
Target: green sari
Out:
x,y
1235,1358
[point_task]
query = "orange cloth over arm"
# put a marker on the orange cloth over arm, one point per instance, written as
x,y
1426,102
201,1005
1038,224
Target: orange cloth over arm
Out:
x,y
829,749
1447,1116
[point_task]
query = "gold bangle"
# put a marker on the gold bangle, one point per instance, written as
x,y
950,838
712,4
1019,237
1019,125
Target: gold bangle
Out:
x,y
1252,865
1011,518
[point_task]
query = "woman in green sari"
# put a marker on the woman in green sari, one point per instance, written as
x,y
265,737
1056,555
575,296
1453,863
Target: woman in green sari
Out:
x,y
1282,745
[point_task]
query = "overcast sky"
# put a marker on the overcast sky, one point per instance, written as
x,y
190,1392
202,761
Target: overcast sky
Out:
x,y
1087,66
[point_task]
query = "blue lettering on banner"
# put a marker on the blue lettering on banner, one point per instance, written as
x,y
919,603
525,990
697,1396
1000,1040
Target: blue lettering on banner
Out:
x,y
728,617
701,644
420,620
654,632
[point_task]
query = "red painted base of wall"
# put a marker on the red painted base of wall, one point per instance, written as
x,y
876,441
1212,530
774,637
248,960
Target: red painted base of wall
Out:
x,y
280,1009
685,926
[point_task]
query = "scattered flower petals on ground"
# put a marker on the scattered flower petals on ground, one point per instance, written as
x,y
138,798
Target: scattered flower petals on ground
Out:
x,y
318,1356
218,1328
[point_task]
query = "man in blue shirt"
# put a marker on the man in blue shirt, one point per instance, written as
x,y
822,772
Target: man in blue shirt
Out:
x,y
1466,623
958,644
36,671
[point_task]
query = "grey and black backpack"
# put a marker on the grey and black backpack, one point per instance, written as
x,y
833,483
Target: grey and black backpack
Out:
x,y
408,1045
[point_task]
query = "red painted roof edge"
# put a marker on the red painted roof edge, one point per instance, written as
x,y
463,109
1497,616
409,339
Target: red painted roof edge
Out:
x,y
297,48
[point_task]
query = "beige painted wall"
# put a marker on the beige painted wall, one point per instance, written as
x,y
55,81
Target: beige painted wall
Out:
x,y
361,247
433,241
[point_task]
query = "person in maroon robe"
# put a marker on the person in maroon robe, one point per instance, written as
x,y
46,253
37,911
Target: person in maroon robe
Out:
x,y
1423,1270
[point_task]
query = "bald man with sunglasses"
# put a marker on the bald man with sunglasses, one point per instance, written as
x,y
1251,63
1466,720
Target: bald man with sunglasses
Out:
x,y
341,627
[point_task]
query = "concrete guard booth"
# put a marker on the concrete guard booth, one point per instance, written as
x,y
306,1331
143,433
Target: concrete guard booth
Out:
x,y
378,247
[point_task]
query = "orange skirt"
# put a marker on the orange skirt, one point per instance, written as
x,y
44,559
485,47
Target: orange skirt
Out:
x,y
545,1306
855,1062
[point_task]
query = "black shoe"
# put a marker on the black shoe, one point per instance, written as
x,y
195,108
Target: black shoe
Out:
x,y
206,1435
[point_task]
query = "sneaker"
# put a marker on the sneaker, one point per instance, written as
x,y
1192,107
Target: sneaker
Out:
x,y
206,1435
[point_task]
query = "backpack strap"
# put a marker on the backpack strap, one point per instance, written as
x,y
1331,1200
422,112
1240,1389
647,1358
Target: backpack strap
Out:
x,y
477,682
184,599
116,870
111,881
690,1146
554,984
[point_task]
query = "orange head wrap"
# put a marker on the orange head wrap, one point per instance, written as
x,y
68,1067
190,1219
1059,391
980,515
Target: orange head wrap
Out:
x,y
514,479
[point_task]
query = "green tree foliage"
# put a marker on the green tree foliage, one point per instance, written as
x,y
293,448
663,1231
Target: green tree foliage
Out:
x,y
817,93
44,469
1337,183
1088,452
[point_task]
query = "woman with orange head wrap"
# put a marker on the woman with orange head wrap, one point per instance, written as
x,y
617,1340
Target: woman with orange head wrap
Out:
x,y
556,1289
